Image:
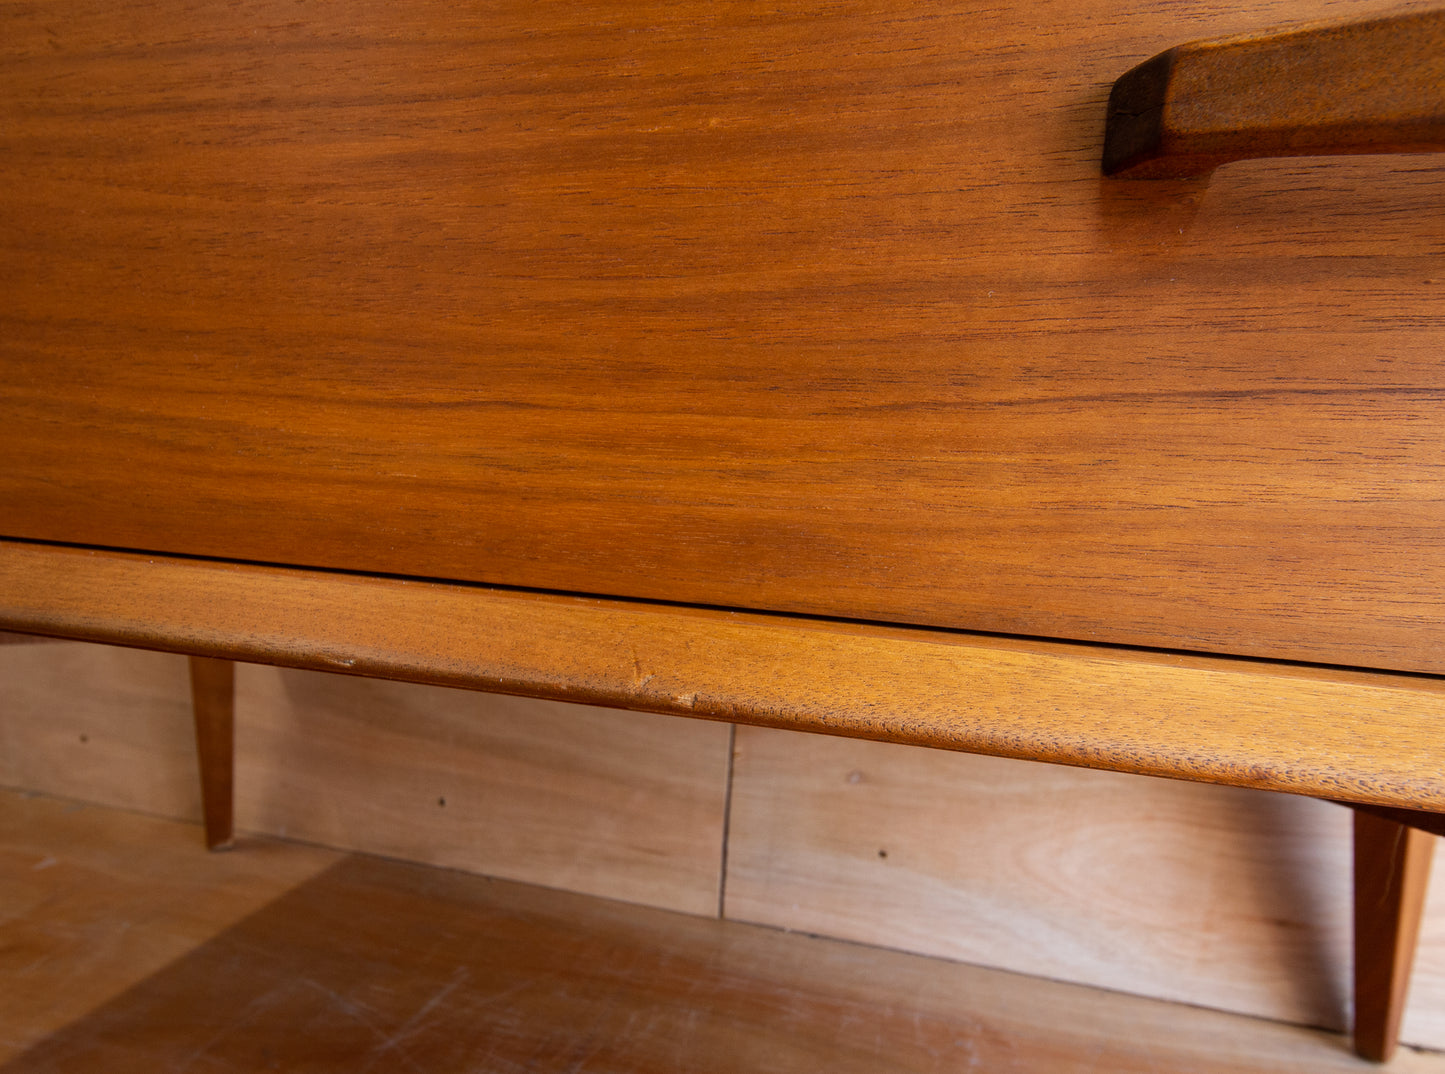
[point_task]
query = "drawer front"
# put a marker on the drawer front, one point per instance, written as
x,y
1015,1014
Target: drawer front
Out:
x,y
815,308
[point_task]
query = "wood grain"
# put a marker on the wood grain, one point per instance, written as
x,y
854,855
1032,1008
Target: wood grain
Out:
x,y
99,724
94,901
1212,896
760,306
1349,735
1392,869
375,965
1424,1021
622,805
1371,85
213,704
1434,823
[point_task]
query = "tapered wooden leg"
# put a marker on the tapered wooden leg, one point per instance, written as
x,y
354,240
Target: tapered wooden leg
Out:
x,y
1392,867
213,699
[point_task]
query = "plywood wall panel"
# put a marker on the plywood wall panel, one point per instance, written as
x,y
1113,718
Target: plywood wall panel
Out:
x,y
610,803
101,724
621,804
1231,899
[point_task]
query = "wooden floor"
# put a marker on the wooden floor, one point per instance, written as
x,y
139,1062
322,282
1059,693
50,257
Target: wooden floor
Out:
x,y
125,947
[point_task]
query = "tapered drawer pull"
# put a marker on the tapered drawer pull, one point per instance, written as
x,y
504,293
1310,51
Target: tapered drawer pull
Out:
x,y
1369,86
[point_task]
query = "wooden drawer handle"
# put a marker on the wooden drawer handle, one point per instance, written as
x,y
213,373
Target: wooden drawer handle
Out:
x,y
1369,86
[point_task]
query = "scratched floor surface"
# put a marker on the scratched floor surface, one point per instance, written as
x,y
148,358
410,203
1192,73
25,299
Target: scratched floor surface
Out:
x,y
124,947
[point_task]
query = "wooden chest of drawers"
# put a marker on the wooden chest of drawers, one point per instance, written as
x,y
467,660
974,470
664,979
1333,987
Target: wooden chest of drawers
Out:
x,y
783,364
823,311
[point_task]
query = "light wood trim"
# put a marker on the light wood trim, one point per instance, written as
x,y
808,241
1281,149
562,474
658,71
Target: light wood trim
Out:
x,y
1392,870
1356,736
213,699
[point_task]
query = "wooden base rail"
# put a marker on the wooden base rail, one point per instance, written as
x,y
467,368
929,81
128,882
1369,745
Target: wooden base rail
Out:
x,y
1354,736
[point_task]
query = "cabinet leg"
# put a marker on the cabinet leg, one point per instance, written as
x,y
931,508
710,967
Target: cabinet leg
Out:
x,y
213,699
1392,867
